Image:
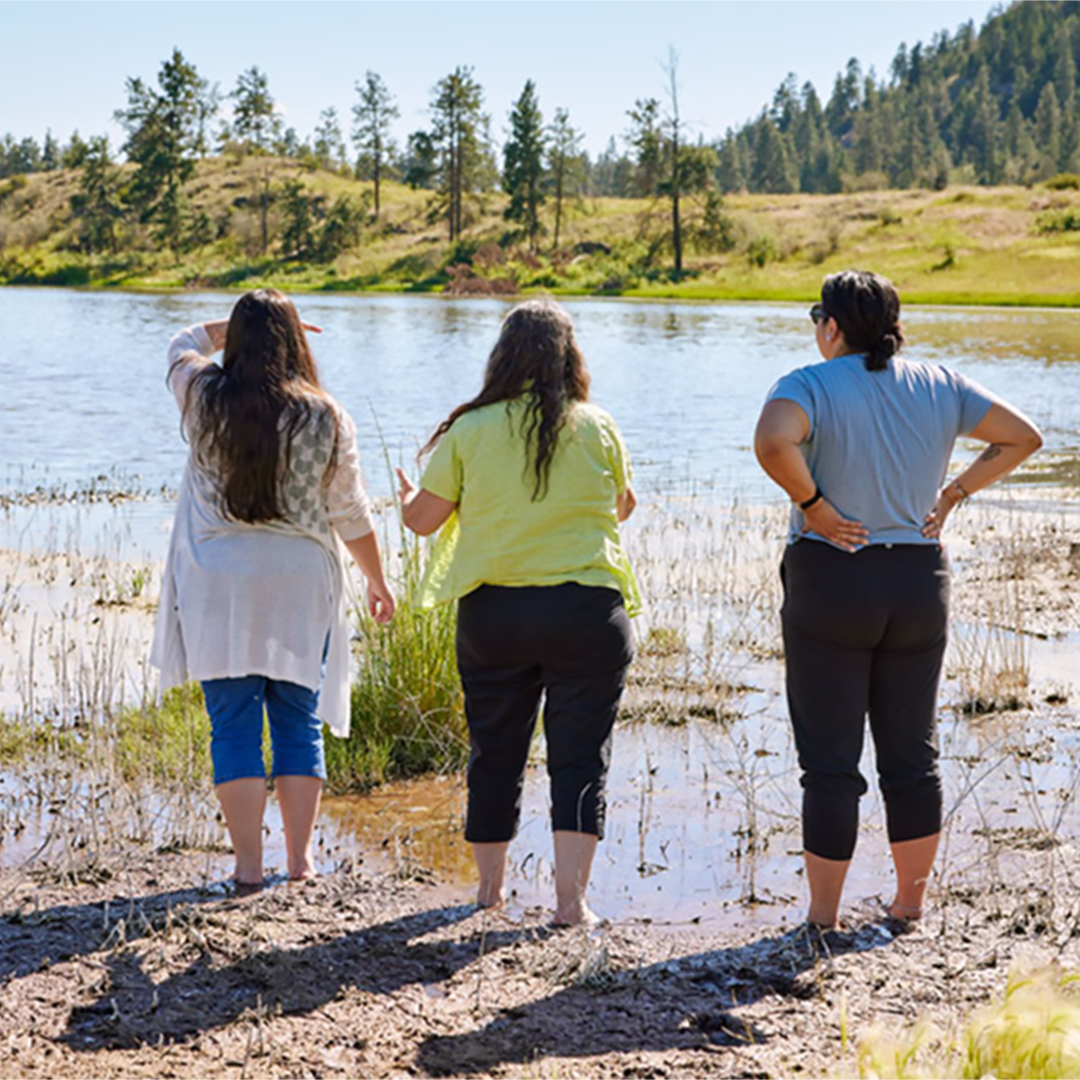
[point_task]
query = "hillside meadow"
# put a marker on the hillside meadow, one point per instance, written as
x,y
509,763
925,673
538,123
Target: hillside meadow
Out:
x,y
963,245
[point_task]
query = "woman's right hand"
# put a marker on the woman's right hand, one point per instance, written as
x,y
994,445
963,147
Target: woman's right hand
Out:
x,y
406,488
824,519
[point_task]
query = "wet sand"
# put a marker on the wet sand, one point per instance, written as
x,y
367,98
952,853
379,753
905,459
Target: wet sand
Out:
x,y
156,973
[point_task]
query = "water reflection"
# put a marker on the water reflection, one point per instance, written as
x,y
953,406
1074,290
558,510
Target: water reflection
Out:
x,y
83,374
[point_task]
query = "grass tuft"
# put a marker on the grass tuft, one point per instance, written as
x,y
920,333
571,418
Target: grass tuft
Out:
x,y
408,715
1034,1032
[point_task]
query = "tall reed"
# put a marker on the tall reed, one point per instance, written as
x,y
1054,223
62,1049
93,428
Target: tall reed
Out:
x,y
408,714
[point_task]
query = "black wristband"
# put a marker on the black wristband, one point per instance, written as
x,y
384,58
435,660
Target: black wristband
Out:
x,y
816,497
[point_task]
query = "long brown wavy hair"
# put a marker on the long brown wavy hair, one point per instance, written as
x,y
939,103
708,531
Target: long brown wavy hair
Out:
x,y
250,408
537,357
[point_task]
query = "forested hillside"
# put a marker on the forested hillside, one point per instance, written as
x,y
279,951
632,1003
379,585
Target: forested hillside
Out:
x,y
993,106
212,189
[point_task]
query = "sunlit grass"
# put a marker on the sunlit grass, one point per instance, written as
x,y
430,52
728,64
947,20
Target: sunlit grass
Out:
x,y
1033,1033
967,245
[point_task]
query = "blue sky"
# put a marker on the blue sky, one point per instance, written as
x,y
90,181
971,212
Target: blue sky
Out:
x,y
64,64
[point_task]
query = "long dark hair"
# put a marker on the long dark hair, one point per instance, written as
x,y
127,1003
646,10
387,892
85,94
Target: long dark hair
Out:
x,y
536,356
249,409
866,307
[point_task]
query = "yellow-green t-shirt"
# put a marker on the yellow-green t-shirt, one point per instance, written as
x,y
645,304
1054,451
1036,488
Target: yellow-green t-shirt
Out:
x,y
499,535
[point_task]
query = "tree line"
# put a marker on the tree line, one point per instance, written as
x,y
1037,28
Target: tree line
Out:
x,y
992,106
989,106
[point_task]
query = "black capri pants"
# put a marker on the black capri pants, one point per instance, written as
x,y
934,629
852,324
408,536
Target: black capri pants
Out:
x,y
568,644
864,634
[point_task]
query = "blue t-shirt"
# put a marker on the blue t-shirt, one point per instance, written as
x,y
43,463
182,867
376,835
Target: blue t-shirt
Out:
x,y
880,441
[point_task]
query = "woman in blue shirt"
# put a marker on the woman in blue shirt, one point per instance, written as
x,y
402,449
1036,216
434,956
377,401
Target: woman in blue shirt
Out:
x,y
861,444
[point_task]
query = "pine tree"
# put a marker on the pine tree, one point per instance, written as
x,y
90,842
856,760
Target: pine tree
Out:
x,y
523,164
297,225
164,134
372,116
96,205
1048,131
50,153
459,136
646,139
327,143
256,123
732,173
565,164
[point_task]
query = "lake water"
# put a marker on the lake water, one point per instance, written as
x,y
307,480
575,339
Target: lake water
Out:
x,y
84,395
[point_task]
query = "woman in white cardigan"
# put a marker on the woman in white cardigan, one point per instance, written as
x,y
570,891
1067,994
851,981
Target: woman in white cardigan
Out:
x,y
253,603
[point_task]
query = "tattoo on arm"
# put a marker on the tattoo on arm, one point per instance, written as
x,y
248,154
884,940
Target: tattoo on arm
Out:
x,y
991,452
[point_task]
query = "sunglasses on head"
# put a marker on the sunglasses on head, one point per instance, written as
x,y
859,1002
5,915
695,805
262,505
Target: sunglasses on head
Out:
x,y
817,314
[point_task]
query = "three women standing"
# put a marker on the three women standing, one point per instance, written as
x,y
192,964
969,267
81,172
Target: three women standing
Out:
x,y
531,482
861,444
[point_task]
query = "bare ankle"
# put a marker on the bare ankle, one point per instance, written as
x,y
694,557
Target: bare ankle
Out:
x,y
248,875
910,912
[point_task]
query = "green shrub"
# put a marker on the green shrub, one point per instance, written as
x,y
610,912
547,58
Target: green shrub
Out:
x,y
761,250
1054,221
1067,181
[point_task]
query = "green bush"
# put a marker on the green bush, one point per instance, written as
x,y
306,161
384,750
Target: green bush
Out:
x,y
1067,181
761,250
1054,221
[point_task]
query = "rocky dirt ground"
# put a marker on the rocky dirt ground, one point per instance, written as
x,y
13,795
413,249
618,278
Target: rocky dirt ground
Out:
x,y
154,972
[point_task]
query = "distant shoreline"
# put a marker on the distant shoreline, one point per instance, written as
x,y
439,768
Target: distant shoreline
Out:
x,y
689,295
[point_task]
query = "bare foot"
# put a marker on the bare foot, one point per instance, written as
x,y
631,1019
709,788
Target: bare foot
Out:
x,y
579,915
494,899
248,877
303,873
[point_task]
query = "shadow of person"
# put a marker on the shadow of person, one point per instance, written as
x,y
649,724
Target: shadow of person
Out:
x,y
377,959
687,1003
31,938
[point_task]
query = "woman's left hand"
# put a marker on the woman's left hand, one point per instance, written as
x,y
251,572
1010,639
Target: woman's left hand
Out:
x,y
381,602
406,488
311,329
934,522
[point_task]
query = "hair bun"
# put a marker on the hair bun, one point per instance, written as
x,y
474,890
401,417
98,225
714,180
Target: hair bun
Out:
x,y
888,346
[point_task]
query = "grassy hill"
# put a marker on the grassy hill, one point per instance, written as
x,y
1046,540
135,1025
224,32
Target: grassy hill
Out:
x,y
967,245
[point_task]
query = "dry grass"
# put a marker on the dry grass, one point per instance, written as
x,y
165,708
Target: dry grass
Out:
x,y
968,245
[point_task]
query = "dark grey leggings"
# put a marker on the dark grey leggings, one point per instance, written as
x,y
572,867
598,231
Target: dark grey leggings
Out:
x,y
568,643
864,634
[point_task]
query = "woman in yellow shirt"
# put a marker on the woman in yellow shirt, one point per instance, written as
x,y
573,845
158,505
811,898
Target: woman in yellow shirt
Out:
x,y
529,483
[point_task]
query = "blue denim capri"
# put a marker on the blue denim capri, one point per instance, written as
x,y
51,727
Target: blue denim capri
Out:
x,y
236,728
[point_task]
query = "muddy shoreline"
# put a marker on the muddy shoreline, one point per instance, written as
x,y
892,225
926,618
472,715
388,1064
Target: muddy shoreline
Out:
x,y
123,953
159,972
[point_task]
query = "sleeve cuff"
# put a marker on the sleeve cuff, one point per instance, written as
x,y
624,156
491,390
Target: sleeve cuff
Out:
x,y
353,529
